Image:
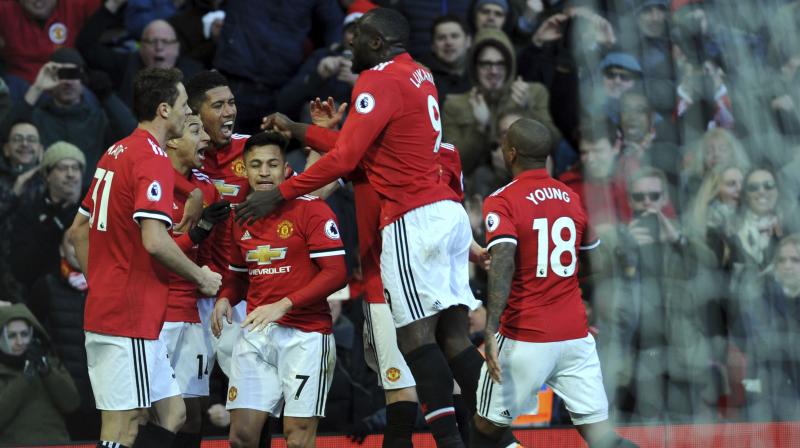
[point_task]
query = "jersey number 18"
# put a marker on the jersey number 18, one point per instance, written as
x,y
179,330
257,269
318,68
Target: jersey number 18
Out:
x,y
561,246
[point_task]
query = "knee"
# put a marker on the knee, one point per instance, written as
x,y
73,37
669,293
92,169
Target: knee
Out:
x,y
176,417
299,436
241,438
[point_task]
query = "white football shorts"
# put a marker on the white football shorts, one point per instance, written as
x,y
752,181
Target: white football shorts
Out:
x,y
571,368
281,365
128,373
425,262
189,355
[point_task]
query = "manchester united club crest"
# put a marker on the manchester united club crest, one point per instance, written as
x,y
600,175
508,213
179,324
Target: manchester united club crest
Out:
x,y
232,393
393,374
285,229
57,33
238,167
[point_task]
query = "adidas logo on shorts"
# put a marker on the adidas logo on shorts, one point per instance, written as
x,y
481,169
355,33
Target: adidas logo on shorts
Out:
x,y
506,414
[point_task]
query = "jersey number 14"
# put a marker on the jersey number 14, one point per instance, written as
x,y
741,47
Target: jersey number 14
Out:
x,y
561,246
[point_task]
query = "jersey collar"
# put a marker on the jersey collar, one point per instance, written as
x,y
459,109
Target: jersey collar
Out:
x,y
538,173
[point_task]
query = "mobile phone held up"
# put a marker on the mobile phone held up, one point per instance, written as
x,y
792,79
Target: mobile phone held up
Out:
x,y
69,73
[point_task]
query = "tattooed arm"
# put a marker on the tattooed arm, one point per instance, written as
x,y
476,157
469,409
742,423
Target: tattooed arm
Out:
x,y
503,266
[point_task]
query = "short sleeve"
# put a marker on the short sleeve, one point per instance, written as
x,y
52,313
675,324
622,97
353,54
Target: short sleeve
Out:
x,y
154,182
322,231
497,219
590,239
87,206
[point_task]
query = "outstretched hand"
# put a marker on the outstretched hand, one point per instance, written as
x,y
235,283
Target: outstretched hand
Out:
x,y
325,114
278,122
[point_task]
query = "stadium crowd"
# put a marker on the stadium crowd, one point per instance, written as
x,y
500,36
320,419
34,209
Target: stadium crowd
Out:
x,y
677,123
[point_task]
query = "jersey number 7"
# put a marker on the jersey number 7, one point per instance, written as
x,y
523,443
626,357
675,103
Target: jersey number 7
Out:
x,y
100,210
561,246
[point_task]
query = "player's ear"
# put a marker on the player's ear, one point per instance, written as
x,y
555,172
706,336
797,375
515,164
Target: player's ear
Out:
x,y
163,110
287,171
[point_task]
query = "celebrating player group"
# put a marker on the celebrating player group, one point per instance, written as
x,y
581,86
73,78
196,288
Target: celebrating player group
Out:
x,y
201,245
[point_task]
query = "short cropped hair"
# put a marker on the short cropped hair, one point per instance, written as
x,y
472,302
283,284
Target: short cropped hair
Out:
x,y
153,86
266,138
199,84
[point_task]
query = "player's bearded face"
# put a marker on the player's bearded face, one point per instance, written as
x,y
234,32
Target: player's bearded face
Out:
x,y
266,167
218,113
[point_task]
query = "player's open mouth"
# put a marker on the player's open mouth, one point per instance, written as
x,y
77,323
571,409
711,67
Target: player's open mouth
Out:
x,y
201,154
227,128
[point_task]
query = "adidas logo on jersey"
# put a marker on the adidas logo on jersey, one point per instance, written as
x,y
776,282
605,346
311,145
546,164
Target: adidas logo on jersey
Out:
x,y
246,236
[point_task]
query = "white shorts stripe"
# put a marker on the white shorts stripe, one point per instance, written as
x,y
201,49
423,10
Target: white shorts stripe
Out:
x,y
406,275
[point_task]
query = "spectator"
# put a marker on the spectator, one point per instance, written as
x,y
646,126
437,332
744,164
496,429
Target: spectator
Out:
x,y
19,168
57,300
35,389
140,13
566,48
489,14
596,178
762,220
421,14
159,48
711,213
470,119
39,227
655,334
31,30
621,72
651,45
645,139
68,113
718,148
447,60
198,27
261,49
326,73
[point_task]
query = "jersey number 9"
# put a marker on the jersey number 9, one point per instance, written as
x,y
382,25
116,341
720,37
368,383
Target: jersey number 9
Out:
x,y
436,121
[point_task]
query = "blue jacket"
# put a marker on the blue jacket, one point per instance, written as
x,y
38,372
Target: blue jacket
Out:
x,y
263,40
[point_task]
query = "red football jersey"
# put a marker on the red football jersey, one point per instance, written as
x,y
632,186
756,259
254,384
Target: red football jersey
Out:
x,y
547,223
183,294
450,169
368,206
128,288
26,45
275,258
394,129
225,168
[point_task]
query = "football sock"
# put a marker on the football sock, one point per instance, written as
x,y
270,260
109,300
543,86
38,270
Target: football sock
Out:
x,y
463,417
107,444
435,390
265,440
187,440
151,435
400,418
466,367
507,440
478,439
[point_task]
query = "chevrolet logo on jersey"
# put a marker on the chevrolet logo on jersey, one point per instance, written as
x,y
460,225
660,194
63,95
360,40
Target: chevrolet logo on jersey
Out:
x,y
266,254
226,189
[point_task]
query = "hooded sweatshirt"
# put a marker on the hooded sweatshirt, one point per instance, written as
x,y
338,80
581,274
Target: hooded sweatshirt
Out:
x,y
33,404
460,126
